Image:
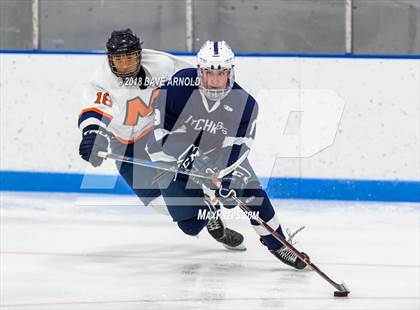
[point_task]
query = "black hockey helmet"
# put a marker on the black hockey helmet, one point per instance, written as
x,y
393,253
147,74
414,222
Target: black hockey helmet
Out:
x,y
123,43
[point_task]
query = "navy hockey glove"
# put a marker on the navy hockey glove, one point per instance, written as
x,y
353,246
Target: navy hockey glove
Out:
x,y
94,139
233,185
196,161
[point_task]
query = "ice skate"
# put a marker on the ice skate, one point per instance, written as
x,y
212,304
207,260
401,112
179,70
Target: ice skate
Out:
x,y
286,256
289,258
230,239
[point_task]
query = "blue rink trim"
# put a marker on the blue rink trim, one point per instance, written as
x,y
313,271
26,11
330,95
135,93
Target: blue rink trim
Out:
x,y
278,188
239,54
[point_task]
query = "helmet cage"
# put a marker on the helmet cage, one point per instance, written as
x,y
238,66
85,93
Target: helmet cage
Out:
x,y
128,74
212,93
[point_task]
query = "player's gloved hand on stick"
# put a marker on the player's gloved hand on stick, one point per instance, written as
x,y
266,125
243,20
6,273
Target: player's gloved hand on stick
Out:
x,y
196,161
233,185
94,139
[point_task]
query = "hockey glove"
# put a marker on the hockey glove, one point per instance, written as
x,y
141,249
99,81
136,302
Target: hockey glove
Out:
x,y
94,139
196,161
233,185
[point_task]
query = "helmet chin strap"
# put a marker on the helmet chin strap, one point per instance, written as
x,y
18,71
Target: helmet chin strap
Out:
x,y
216,94
125,75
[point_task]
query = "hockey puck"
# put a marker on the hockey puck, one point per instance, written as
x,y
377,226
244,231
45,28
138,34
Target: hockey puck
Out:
x,y
341,294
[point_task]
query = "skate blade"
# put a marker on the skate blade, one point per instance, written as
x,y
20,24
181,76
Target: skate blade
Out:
x,y
240,247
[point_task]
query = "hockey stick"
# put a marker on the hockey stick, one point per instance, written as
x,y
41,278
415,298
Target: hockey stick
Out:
x,y
219,174
156,165
342,288
163,173
165,168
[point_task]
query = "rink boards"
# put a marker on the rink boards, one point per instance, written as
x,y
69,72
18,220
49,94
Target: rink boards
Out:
x,y
328,128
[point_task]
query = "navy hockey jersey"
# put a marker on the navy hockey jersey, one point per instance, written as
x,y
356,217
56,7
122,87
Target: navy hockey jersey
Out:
x,y
224,130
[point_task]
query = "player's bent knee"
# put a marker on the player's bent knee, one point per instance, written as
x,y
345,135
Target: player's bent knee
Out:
x,y
193,226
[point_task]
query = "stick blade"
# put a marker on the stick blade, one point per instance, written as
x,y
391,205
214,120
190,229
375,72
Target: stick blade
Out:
x,y
343,290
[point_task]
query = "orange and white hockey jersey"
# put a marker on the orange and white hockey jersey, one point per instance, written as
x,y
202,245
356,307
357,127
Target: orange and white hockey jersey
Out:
x,y
119,105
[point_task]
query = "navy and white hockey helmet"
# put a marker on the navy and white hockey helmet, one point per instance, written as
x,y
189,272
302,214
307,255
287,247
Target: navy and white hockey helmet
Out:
x,y
216,55
123,43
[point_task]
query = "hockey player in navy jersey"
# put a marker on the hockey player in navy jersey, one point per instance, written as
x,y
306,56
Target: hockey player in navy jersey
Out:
x,y
210,127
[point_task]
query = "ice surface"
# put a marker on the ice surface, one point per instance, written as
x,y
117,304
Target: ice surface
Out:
x,y
68,251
